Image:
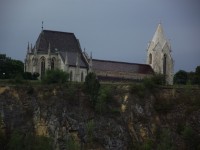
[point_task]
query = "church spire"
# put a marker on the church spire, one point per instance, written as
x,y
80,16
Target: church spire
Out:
x,y
159,35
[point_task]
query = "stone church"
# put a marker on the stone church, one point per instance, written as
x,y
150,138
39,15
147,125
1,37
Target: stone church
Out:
x,y
159,55
62,50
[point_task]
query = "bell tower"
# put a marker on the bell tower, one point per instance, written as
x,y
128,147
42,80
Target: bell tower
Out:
x,y
159,55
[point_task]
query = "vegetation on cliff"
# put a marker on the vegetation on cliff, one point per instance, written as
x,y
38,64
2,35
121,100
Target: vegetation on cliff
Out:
x,y
141,116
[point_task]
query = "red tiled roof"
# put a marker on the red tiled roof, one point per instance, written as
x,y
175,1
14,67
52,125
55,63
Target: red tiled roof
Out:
x,y
105,65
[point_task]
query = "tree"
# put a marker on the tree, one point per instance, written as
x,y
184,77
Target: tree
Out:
x,y
181,77
55,76
10,68
92,86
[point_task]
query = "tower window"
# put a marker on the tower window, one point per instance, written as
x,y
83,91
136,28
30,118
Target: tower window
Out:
x,y
81,76
42,66
52,64
164,64
150,58
70,75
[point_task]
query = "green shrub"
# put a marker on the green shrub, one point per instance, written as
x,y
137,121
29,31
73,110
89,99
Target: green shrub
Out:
x,y
105,95
138,89
71,144
21,141
165,140
92,86
90,131
55,76
192,139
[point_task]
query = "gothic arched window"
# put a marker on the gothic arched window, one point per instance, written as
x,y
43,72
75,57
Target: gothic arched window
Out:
x,y
52,63
164,64
70,75
82,77
42,60
150,58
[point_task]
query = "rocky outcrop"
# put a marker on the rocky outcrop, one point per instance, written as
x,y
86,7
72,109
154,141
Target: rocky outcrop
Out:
x,y
64,113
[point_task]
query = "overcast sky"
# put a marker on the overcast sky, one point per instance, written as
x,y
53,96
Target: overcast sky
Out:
x,y
111,29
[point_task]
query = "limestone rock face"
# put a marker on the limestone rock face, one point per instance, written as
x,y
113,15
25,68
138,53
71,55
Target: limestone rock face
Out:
x,y
132,120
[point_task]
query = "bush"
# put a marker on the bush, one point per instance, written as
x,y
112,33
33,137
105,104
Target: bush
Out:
x,y
138,89
27,75
71,144
90,130
55,76
104,97
20,141
192,139
92,86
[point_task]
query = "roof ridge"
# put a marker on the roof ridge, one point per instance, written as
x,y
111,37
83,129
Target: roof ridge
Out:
x,y
58,31
113,61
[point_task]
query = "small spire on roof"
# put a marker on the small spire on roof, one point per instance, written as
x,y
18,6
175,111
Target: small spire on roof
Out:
x,y
42,25
31,47
28,48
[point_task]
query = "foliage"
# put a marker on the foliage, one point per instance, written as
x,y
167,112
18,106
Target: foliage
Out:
x,y
90,130
71,144
2,135
163,105
192,139
30,76
55,76
92,86
138,89
20,141
9,68
158,79
181,77
147,145
165,140
104,97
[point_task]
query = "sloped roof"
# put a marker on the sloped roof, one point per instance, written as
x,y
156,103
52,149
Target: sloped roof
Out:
x,y
105,65
72,58
159,36
59,41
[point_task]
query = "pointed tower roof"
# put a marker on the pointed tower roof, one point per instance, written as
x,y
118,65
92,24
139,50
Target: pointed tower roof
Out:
x,y
159,35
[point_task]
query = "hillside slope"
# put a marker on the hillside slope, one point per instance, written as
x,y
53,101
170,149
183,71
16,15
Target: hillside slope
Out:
x,y
133,117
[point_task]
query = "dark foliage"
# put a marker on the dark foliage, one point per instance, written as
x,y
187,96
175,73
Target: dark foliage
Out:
x,y
92,86
10,68
55,76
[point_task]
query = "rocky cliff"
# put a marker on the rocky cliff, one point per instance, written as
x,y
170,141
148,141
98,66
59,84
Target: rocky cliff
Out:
x,y
135,117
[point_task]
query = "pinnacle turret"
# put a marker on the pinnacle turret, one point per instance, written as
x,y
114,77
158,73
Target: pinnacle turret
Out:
x,y
159,35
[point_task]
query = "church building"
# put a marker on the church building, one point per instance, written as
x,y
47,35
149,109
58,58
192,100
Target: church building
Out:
x,y
57,50
159,55
62,50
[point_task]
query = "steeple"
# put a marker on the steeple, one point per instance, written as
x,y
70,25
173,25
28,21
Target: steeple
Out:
x,y
159,35
28,49
159,55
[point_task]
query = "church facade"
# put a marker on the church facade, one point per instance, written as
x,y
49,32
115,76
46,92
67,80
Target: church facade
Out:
x,y
159,55
57,50
62,50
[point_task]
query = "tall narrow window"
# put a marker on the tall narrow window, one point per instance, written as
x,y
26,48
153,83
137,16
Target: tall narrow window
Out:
x,y
70,75
164,64
82,77
42,66
52,63
150,58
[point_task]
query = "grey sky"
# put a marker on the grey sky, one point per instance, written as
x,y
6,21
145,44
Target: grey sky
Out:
x,y
110,29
